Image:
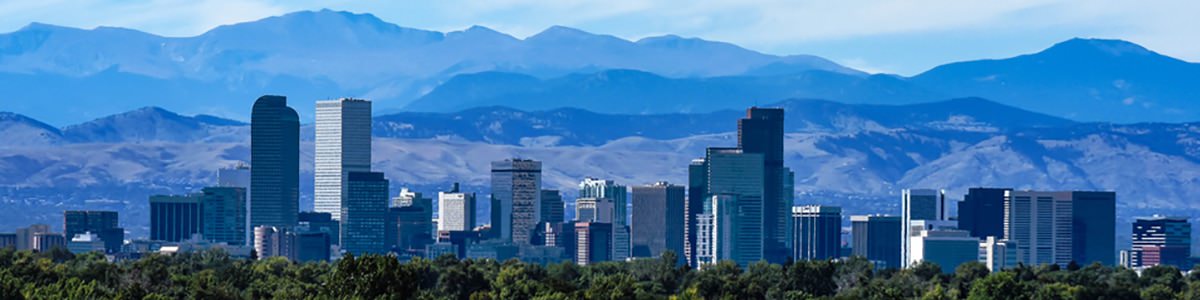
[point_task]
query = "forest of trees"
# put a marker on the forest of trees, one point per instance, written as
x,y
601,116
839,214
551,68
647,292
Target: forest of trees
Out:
x,y
215,275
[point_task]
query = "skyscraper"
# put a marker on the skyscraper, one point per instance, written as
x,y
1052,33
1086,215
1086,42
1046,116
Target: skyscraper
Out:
x,y
736,178
275,155
618,194
877,238
410,224
1161,240
239,176
696,198
1041,224
658,211
77,222
517,192
761,132
918,204
224,213
364,210
456,210
175,218
101,223
552,206
1094,226
817,232
982,212
343,145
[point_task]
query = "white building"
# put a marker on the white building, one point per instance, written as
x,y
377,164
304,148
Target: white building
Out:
x,y
343,144
456,210
1041,225
948,248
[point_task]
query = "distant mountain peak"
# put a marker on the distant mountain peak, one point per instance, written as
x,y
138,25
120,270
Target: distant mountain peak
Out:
x,y
1111,47
568,34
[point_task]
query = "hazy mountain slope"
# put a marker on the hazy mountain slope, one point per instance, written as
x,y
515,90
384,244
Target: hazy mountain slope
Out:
x,y
1083,79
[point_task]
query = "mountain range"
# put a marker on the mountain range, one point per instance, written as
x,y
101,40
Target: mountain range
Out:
x,y
854,155
64,75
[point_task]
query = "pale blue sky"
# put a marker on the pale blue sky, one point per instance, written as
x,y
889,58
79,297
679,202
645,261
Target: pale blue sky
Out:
x,y
895,36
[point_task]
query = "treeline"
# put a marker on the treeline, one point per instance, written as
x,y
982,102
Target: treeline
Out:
x,y
215,275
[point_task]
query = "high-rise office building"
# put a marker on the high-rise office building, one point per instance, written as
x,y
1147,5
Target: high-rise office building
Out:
x,y
947,248
275,155
239,176
175,218
552,206
77,222
364,213
696,198
736,178
1160,240
658,211
517,193
456,210
410,226
618,194
817,232
224,213
101,223
877,238
593,242
1094,227
918,204
343,145
588,209
761,132
1041,224
321,222
982,212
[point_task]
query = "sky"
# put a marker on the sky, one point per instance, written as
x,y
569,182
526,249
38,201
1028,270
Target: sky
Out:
x,y
891,36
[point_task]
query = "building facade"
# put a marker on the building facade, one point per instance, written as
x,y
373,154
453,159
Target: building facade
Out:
x,y
1160,240
552,206
761,132
364,213
877,238
456,210
516,191
658,211
1041,225
735,184
1094,227
224,211
918,204
982,212
818,232
343,145
275,155
593,242
175,218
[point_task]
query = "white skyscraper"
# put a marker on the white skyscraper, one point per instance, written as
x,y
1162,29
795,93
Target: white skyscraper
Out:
x,y
456,210
1041,225
918,204
343,144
